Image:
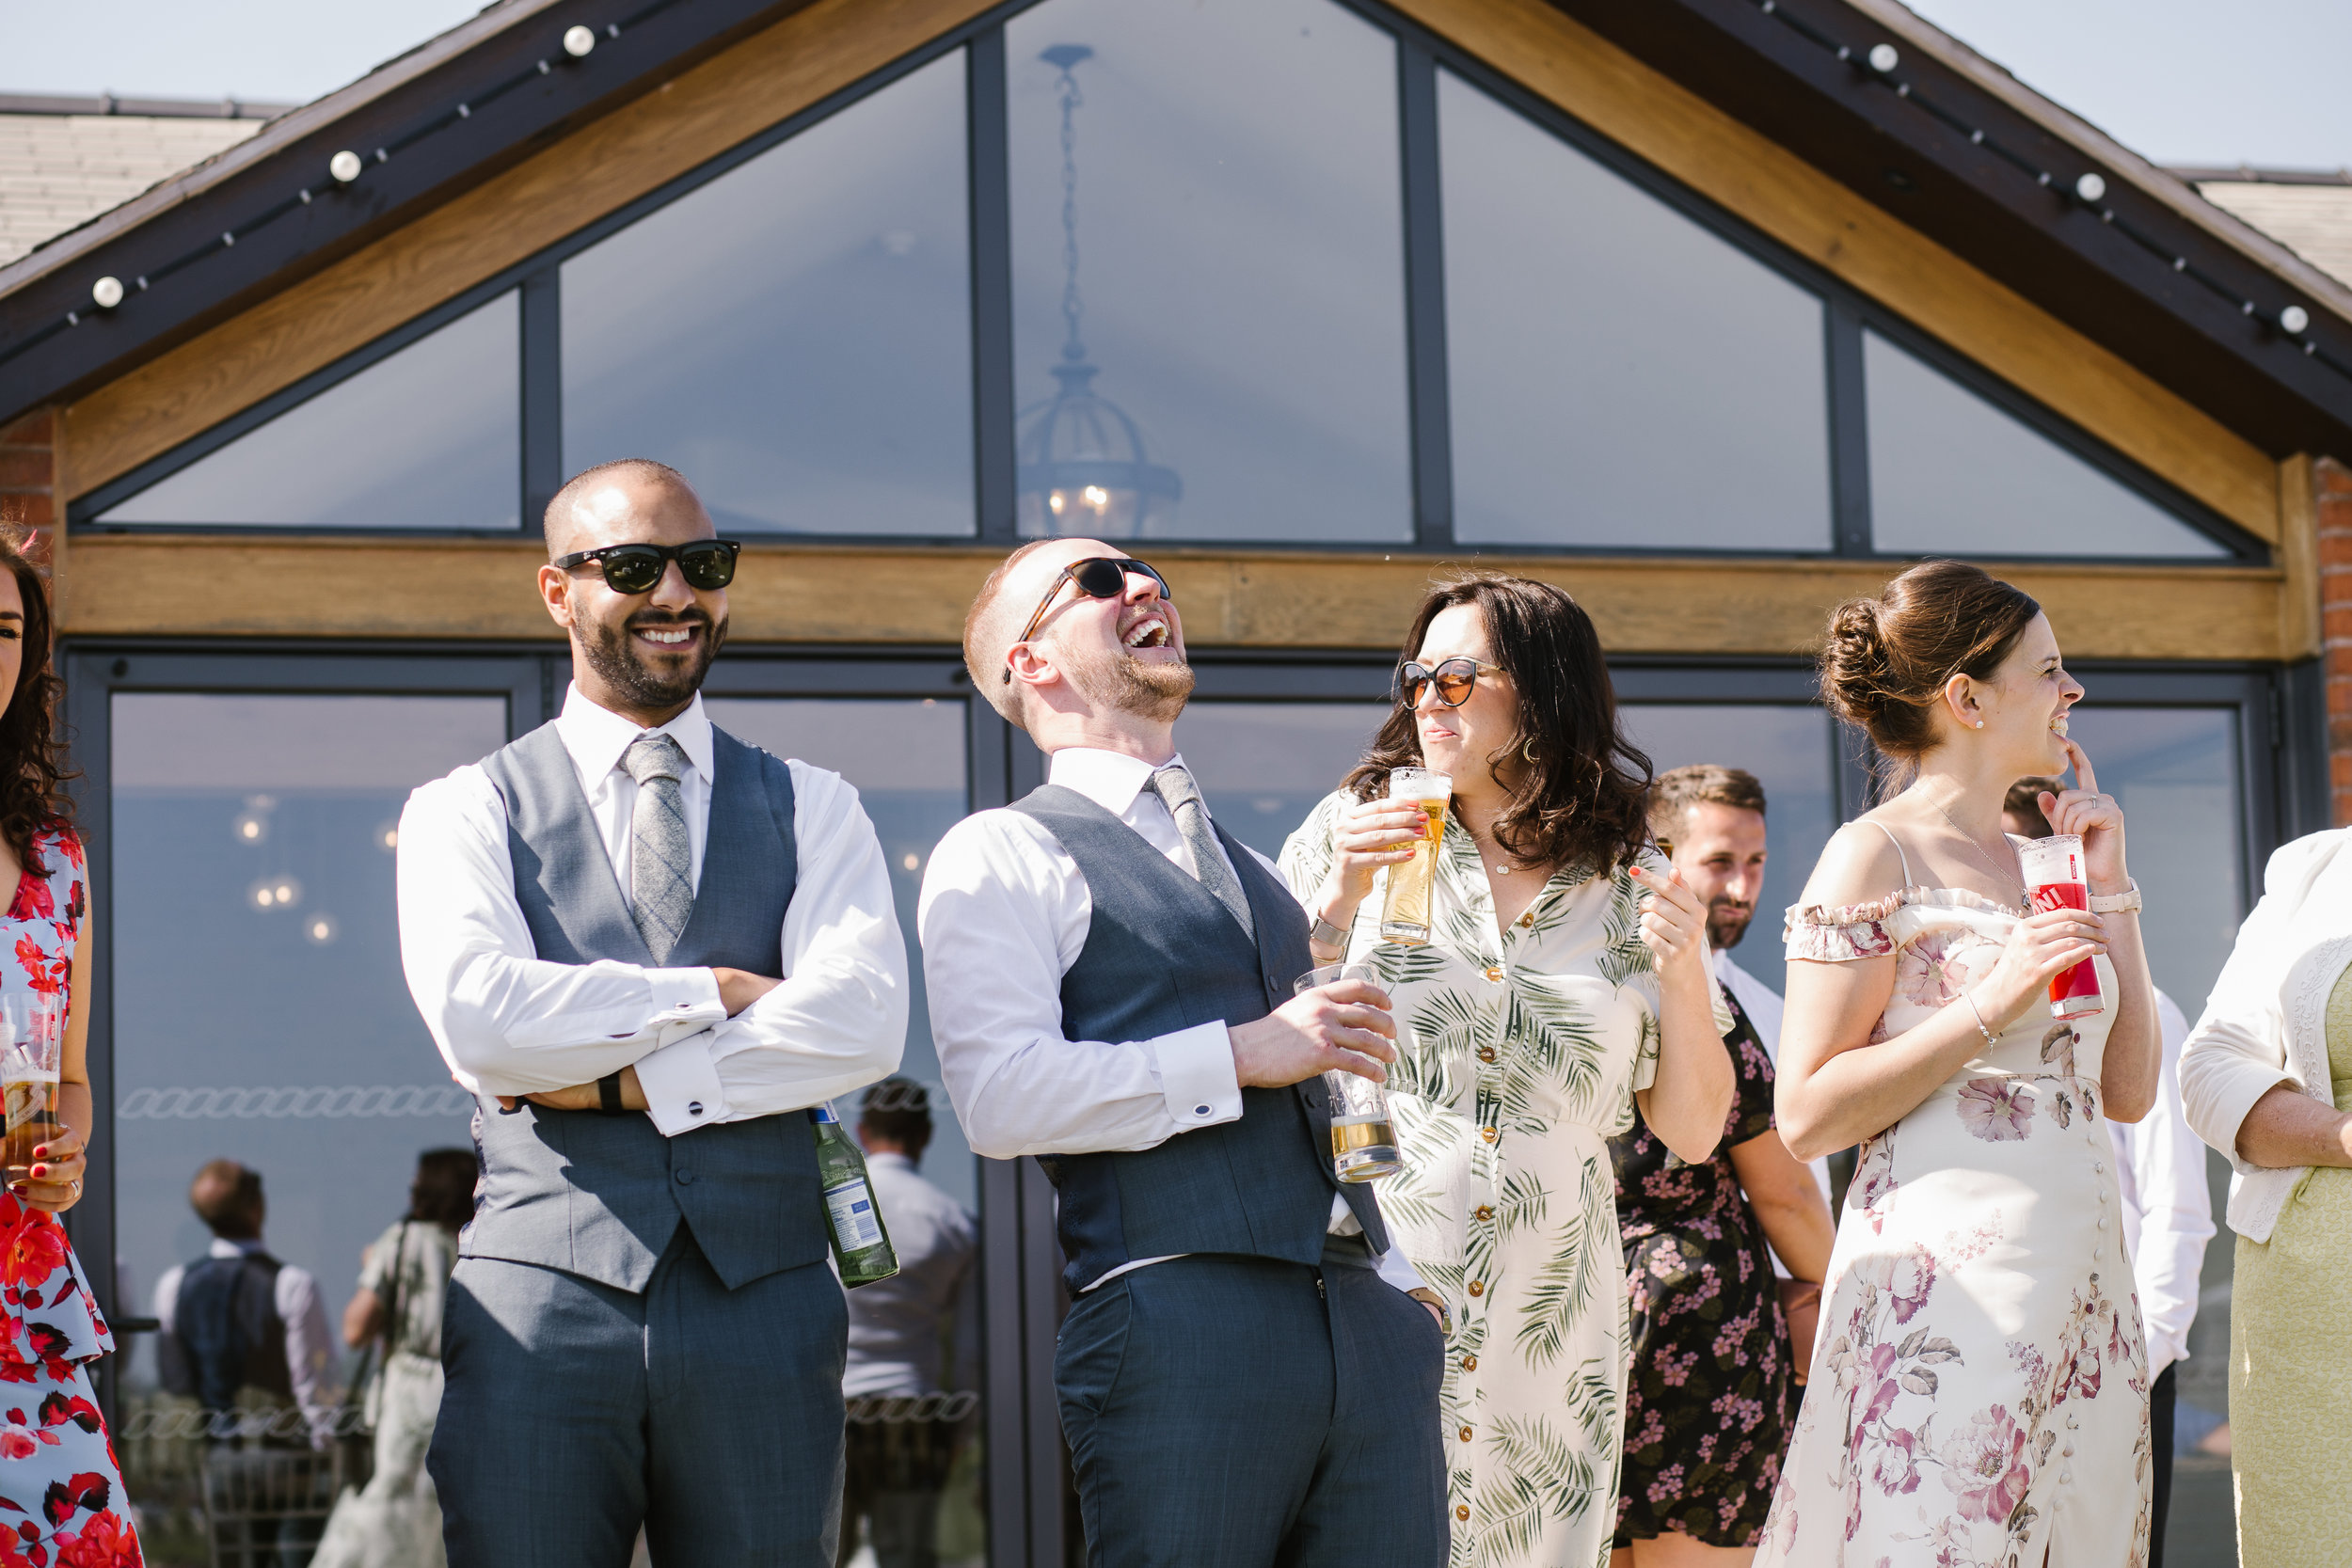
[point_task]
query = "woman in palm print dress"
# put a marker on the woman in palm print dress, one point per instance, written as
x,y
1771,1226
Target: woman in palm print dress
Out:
x,y
1979,1393
61,1502
1564,983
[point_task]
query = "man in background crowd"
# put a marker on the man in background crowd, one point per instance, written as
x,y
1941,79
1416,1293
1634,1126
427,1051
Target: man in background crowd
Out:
x,y
2168,1213
914,1341
241,1332
1709,822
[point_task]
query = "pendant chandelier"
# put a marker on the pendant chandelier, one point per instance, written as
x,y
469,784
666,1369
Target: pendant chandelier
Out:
x,y
1083,469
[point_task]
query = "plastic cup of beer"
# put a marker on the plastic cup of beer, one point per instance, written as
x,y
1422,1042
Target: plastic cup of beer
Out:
x,y
1363,1139
1405,915
2055,880
30,1057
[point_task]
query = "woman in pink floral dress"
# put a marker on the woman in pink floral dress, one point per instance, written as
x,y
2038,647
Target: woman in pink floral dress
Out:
x,y
1980,1392
61,1503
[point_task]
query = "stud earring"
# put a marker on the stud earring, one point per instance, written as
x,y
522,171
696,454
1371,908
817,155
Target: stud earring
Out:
x,y
1980,724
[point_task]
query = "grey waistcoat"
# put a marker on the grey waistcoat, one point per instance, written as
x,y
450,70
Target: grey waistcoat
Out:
x,y
597,1195
1161,954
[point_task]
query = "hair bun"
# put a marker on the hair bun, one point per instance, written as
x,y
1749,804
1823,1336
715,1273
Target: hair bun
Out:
x,y
1886,658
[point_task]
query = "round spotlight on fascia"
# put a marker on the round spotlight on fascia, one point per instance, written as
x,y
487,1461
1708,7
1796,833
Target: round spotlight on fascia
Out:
x,y
2091,187
344,167
578,41
1884,57
106,293
2294,318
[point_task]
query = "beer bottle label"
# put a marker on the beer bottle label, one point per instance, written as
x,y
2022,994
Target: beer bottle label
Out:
x,y
852,1209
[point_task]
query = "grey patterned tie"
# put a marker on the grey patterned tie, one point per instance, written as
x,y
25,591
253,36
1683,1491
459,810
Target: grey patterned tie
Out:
x,y
660,859
1175,786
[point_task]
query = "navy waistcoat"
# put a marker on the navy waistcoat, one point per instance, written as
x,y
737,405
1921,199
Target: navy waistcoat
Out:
x,y
597,1195
1161,954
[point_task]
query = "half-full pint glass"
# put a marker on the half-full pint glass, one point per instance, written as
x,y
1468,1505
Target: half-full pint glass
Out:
x,y
2055,879
1363,1140
29,1059
1404,916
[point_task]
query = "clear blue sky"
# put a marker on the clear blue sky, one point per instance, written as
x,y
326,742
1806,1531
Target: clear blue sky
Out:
x,y
2181,81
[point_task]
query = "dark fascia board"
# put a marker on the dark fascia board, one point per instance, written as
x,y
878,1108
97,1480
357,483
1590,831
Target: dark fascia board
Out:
x,y
408,107
1851,122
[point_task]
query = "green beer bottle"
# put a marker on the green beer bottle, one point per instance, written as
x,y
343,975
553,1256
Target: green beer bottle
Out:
x,y
860,1244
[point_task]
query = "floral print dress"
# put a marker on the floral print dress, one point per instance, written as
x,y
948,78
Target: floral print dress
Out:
x,y
1710,1393
61,1502
1979,1390
1519,1055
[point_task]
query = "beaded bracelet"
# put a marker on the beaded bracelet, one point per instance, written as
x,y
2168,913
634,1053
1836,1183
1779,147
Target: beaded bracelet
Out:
x,y
1979,1018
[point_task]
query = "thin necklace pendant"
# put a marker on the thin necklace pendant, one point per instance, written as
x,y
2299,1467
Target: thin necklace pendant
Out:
x,y
2024,903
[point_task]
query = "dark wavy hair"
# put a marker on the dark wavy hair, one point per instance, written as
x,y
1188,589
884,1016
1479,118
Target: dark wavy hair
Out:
x,y
33,767
1583,800
442,1192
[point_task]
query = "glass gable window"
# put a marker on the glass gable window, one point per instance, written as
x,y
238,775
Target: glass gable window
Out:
x,y
260,1012
795,335
1600,343
428,437
1951,473
1208,271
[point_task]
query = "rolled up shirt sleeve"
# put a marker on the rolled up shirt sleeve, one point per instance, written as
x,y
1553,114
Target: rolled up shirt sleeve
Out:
x,y
507,1022
1001,925
839,1020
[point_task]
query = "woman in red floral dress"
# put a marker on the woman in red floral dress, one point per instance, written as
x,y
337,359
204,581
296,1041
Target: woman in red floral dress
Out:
x,y
61,1502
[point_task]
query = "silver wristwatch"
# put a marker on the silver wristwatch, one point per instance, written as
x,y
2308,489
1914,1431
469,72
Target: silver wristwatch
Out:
x,y
1326,935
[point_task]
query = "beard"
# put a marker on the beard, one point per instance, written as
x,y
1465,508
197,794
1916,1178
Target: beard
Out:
x,y
1110,679
1728,922
612,652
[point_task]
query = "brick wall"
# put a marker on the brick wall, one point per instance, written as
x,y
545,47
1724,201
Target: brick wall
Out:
x,y
2332,483
29,481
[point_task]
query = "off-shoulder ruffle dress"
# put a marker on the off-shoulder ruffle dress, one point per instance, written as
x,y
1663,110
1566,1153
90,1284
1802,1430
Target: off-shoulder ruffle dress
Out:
x,y
61,1502
1980,1391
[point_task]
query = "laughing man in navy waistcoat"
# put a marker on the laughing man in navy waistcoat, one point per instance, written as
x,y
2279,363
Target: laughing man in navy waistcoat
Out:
x,y
1245,1377
647,948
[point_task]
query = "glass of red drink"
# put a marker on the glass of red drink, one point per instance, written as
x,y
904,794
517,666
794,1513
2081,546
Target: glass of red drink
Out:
x,y
2055,879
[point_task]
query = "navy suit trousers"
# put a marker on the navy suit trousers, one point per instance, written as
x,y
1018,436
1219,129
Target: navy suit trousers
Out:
x,y
1228,1411
576,1412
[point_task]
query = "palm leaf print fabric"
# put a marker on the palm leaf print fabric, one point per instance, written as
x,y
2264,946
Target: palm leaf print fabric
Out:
x,y
1520,1053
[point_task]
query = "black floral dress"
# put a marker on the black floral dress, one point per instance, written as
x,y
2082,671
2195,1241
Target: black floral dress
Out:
x,y
1708,1393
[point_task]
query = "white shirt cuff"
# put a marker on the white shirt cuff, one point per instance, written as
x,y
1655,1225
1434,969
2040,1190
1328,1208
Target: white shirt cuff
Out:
x,y
681,1085
688,996
1197,1078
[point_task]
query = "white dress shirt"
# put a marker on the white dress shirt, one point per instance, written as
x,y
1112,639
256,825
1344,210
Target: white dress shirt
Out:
x,y
295,1299
511,1024
2168,1213
1004,914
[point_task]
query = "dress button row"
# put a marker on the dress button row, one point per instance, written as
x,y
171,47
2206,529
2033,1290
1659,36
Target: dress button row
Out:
x,y
1466,1435
1478,1287
1494,973
1461,1511
1486,1053
1488,1133
2102,1222
1470,1363
1485,1213
2098,1167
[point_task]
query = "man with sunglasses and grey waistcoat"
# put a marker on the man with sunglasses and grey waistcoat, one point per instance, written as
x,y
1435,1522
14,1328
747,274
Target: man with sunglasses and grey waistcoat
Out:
x,y
1245,1376
647,949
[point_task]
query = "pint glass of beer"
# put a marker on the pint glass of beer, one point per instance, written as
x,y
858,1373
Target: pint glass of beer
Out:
x,y
1363,1139
2055,879
34,1023
1405,917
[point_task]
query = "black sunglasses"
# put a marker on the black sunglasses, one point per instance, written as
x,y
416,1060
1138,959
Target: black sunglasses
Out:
x,y
1104,576
706,563
1456,678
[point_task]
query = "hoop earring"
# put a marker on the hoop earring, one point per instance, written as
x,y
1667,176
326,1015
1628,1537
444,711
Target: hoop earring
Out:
x,y
1527,749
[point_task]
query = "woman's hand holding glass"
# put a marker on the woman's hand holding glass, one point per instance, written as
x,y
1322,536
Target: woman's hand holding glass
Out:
x,y
1372,834
2038,948
53,1181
